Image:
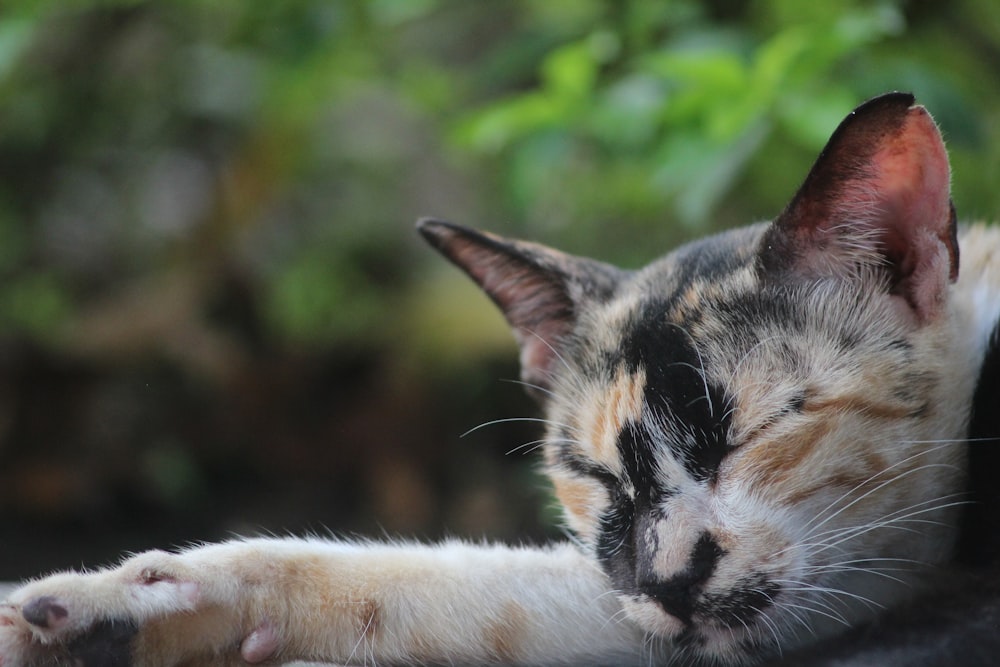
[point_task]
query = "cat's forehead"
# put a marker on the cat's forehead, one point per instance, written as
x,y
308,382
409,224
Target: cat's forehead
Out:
x,y
675,361
647,358
697,354
658,315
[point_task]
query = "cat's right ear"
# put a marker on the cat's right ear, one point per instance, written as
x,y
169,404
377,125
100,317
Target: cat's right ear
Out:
x,y
878,195
540,291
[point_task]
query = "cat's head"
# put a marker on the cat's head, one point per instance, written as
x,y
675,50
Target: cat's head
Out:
x,y
757,434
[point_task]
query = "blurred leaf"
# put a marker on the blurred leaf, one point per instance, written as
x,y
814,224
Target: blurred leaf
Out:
x,y
395,12
699,170
570,72
15,37
506,122
809,116
629,112
15,242
35,305
320,299
173,475
714,70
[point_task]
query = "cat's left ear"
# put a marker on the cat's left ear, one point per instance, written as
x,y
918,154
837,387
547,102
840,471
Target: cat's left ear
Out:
x,y
541,291
878,196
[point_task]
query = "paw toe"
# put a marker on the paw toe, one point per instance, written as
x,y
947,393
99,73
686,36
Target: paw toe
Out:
x,y
44,612
261,644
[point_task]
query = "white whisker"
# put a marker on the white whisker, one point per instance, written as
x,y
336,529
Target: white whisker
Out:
x,y
812,527
531,446
507,420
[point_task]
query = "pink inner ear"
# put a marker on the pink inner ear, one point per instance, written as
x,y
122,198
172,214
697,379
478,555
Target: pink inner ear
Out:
x,y
913,176
912,182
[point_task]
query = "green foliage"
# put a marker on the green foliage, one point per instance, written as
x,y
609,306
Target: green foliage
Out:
x,y
291,144
672,127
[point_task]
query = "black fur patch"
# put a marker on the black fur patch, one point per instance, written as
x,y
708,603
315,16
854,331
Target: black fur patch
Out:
x,y
678,594
584,467
630,570
979,542
677,394
615,547
714,258
748,599
638,462
107,644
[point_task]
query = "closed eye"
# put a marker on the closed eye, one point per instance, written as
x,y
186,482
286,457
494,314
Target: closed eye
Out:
x,y
588,468
796,405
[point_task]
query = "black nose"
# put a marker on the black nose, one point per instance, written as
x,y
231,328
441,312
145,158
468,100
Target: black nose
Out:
x,y
677,594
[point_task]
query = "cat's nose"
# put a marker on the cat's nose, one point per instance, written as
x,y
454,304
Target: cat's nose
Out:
x,y
677,593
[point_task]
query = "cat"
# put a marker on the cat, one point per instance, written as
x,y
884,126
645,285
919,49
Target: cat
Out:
x,y
758,440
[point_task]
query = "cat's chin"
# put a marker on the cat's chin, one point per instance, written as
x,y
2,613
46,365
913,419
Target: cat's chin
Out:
x,y
715,643
648,616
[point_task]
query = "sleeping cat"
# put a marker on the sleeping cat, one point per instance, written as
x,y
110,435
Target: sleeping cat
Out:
x,y
759,440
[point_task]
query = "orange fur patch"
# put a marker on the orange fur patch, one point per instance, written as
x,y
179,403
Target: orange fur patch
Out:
x,y
505,635
576,495
859,404
621,402
780,461
369,618
772,462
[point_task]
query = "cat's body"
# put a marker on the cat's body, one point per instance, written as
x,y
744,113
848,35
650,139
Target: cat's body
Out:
x,y
758,440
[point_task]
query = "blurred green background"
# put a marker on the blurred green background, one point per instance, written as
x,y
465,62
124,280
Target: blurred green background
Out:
x,y
215,317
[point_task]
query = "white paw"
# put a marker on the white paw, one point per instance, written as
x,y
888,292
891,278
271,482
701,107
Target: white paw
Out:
x,y
105,619
63,606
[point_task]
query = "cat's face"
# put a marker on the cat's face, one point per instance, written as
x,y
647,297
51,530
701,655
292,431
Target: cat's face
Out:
x,y
757,436
750,460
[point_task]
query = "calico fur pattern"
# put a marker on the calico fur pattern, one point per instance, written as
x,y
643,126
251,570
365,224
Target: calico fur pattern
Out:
x,y
759,441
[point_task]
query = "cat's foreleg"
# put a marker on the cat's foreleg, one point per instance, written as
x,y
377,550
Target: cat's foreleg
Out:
x,y
273,600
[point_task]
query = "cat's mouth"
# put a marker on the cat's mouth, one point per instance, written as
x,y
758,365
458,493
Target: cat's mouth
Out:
x,y
734,608
740,607
717,623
